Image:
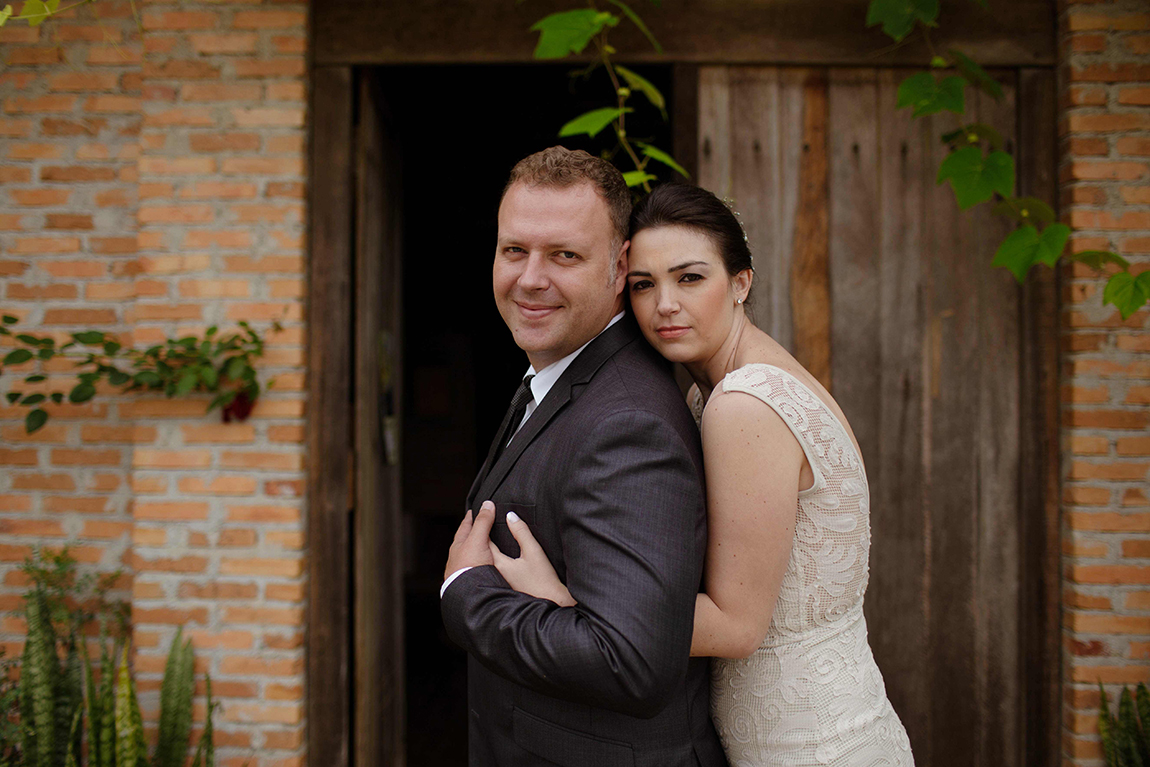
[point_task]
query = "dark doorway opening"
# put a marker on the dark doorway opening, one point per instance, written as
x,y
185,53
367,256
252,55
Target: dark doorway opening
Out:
x,y
460,130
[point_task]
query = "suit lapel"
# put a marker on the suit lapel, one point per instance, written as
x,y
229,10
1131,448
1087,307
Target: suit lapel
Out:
x,y
578,374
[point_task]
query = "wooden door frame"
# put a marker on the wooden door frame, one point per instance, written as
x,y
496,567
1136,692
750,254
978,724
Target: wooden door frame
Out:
x,y
339,43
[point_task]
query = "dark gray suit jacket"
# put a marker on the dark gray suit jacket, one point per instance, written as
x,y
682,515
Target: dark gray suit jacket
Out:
x,y
608,473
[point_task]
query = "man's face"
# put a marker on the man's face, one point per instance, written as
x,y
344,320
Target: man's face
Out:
x,y
552,276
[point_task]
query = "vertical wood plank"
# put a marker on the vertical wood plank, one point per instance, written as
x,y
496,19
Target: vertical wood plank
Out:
x,y
997,617
1040,473
854,203
329,439
378,619
950,455
714,135
896,604
810,272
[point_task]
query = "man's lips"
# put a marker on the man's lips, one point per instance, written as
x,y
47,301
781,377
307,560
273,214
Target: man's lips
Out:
x,y
535,311
672,331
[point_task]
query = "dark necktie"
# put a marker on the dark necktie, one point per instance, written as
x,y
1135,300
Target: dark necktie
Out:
x,y
518,407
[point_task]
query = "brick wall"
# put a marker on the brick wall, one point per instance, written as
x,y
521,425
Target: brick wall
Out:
x,y
1105,177
152,185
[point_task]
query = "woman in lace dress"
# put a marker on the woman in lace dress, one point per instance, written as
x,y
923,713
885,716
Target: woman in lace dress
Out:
x,y
794,682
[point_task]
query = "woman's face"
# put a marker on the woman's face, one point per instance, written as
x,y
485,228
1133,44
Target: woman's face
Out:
x,y
683,298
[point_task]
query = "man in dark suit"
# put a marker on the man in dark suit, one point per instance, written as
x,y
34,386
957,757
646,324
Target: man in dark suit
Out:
x,y
600,457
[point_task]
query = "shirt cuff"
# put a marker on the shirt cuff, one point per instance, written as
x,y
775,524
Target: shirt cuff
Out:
x,y
451,578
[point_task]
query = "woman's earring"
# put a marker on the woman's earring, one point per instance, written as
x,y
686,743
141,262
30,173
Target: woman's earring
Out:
x,y
739,301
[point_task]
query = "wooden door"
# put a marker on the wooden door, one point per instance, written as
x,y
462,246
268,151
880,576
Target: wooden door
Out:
x,y
868,272
379,722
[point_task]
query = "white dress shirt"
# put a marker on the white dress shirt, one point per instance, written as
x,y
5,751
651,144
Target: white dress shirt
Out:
x,y
541,384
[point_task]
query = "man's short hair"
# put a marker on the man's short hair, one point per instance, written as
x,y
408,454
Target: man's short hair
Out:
x,y
559,167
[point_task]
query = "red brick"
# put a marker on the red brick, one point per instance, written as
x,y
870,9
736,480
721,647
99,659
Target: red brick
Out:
x,y
1135,96
77,173
1110,73
1106,123
1076,22
220,92
287,568
286,67
35,151
179,20
182,116
68,221
40,196
79,317
224,43
39,104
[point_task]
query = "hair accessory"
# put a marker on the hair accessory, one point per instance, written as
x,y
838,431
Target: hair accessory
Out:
x,y
738,217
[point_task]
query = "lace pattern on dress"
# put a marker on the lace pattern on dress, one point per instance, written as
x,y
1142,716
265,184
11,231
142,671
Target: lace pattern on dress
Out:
x,y
812,693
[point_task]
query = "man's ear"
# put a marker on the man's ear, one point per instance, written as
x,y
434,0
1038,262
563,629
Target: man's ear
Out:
x,y
621,267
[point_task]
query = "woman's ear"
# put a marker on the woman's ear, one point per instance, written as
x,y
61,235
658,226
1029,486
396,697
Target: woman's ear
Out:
x,y
742,282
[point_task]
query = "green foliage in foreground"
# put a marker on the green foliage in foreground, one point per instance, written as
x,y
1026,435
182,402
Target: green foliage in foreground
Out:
x,y
223,365
1126,737
59,697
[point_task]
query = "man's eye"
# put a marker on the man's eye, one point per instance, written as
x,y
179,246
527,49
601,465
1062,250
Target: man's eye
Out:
x,y
568,255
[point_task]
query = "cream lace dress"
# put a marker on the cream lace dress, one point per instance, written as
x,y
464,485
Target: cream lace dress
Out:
x,y
812,693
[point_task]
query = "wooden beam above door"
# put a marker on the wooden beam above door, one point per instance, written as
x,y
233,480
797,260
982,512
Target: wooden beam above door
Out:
x,y
811,32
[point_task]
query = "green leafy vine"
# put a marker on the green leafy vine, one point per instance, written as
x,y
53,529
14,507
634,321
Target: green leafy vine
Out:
x,y
569,33
979,170
223,365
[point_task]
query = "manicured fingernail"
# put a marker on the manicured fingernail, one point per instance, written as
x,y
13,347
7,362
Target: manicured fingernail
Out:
x,y
488,505
512,516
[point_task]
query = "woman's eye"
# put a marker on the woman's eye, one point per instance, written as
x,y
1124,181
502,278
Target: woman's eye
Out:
x,y
689,277
640,285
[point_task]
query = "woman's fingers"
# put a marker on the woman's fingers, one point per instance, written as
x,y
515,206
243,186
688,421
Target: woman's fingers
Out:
x,y
522,534
499,557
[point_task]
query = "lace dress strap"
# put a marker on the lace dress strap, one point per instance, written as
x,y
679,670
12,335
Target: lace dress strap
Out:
x,y
818,430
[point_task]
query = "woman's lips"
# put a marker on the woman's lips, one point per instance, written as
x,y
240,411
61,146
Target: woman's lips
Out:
x,y
672,331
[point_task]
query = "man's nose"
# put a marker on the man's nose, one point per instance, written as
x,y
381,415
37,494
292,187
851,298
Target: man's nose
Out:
x,y
534,275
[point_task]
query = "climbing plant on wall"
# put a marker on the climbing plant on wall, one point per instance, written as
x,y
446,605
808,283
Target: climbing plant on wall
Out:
x,y
977,167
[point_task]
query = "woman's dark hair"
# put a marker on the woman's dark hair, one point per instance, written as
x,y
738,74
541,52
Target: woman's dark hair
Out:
x,y
695,208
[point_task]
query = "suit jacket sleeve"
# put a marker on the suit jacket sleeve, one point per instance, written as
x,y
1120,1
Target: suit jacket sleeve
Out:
x,y
632,511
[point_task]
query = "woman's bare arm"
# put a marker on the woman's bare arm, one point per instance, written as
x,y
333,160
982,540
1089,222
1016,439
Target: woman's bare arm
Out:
x,y
753,463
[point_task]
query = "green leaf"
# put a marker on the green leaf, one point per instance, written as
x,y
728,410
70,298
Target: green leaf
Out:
x,y
35,379
592,122
1097,259
187,381
147,378
938,62
8,319
34,420
82,392
644,86
5,14
33,399
1127,292
569,31
25,338
17,356
89,337
638,177
111,347
659,155
1025,247
34,11
57,397
1025,210
975,178
634,17
12,396
210,376
898,16
929,96
975,74
118,377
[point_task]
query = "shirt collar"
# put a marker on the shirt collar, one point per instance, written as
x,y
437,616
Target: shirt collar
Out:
x,y
544,379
